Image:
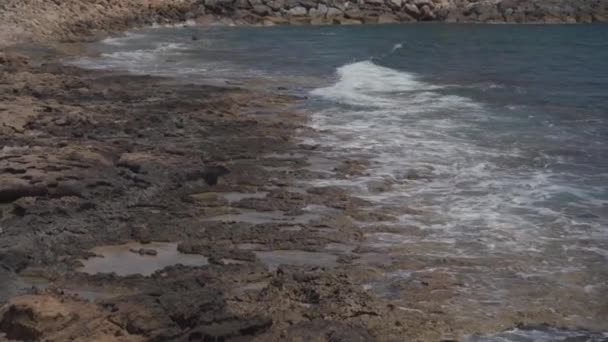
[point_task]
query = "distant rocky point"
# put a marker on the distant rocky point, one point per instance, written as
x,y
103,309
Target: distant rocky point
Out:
x,y
76,20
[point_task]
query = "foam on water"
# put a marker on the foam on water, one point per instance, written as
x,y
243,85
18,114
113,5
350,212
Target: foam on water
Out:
x,y
140,61
478,192
369,85
122,40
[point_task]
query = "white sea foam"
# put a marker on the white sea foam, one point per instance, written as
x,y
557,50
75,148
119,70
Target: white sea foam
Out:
x,y
140,61
396,47
123,39
402,123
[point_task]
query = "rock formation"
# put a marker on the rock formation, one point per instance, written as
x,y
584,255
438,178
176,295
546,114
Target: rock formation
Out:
x,y
72,20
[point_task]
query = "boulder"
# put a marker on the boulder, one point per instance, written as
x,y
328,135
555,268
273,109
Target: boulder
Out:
x,y
261,10
275,5
394,4
315,13
374,2
412,10
354,13
242,4
426,13
333,12
308,4
298,11
301,3
507,4
422,3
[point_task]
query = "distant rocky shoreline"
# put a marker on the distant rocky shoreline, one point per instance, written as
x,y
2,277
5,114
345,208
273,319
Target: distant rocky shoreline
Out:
x,y
78,20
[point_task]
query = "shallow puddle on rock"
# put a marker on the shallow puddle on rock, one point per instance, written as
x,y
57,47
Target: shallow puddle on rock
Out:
x,y
232,197
121,260
272,259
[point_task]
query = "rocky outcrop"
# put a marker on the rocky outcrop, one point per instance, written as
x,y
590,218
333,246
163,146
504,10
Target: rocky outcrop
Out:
x,y
74,20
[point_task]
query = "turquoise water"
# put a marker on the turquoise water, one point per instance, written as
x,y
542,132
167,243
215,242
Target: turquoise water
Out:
x,y
506,127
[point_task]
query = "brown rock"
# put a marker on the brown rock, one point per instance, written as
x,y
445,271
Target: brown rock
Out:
x,y
412,10
12,188
38,317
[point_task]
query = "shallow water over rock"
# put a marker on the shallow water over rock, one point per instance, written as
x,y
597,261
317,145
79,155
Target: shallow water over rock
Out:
x,y
124,259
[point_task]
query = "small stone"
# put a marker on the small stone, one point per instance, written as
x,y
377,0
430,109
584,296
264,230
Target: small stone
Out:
x,y
146,251
143,251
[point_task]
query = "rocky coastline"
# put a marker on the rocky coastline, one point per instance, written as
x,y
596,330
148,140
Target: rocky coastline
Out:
x,y
205,177
77,20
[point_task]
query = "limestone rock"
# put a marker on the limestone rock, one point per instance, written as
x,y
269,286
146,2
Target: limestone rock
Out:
x,y
298,11
275,5
261,10
395,4
12,188
354,13
422,3
426,13
38,317
242,4
333,12
412,10
404,17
